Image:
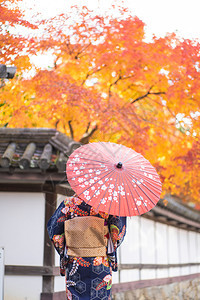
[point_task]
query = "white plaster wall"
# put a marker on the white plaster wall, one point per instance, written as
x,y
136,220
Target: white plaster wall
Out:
x,y
22,228
173,245
129,275
184,247
161,243
198,248
130,248
173,272
148,274
192,246
22,287
59,283
162,273
147,241
194,269
185,271
115,277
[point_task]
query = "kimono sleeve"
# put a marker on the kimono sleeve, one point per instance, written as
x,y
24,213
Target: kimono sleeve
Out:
x,y
117,229
55,228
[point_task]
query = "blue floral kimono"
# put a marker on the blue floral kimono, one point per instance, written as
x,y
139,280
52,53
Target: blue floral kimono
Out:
x,y
86,277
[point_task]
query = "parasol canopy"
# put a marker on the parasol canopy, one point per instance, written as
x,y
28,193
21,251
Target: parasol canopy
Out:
x,y
114,179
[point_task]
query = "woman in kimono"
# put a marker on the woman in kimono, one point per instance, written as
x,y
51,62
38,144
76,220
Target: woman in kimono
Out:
x,y
87,247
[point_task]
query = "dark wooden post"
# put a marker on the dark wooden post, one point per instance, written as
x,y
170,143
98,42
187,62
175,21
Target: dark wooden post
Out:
x,y
49,253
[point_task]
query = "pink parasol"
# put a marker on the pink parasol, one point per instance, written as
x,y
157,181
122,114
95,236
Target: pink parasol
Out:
x,y
114,179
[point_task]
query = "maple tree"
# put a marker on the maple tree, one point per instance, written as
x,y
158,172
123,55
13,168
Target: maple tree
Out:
x,y
108,83
13,44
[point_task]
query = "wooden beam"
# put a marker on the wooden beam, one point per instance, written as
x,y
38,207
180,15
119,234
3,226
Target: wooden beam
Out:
x,y
55,271
32,270
150,214
177,206
53,296
30,176
173,222
184,226
161,218
23,187
28,187
64,189
173,216
168,221
49,252
155,266
141,284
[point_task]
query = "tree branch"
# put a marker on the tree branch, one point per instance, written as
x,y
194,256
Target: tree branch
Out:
x,y
147,94
81,50
68,44
55,61
71,129
88,126
116,81
93,72
85,138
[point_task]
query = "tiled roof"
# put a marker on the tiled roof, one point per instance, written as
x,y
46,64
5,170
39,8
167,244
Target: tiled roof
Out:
x,y
34,149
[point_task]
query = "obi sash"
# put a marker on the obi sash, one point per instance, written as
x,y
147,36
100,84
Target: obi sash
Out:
x,y
86,236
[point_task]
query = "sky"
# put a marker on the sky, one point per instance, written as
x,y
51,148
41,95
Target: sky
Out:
x,y
160,17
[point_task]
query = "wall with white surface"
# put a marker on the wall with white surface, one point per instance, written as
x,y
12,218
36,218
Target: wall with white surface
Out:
x,y
198,247
59,283
148,242
184,247
128,275
130,253
192,245
173,245
22,228
22,287
22,218
161,233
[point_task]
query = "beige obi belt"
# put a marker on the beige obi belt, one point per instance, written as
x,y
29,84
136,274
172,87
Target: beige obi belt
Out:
x,y
86,236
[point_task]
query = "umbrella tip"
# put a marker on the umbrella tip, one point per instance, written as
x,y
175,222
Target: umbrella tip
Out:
x,y
119,165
